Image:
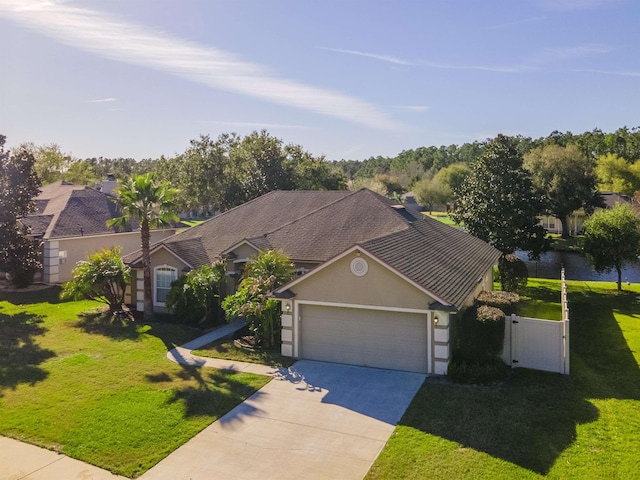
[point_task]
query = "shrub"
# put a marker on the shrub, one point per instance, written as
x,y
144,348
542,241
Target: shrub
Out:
x,y
505,301
467,371
479,335
251,301
103,277
513,273
193,298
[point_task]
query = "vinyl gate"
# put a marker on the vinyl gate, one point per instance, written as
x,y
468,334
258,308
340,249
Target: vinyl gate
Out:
x,y
538,344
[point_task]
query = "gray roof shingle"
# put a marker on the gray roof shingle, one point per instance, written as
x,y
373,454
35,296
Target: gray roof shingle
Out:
x,y
317,226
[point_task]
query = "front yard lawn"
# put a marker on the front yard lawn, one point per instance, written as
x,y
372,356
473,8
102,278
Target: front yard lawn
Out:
x,y
103,391
225,348
537,425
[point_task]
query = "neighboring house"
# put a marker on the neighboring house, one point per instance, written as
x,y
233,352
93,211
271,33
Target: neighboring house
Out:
x,y
71,221
576,219
378,283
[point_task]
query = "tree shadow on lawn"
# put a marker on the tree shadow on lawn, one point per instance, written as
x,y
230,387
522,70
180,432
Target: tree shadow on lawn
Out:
x,y
532,419
104,323
215,394
20,355
28,297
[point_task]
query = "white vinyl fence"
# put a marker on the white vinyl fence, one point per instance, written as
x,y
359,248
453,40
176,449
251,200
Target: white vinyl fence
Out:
x,y
537,343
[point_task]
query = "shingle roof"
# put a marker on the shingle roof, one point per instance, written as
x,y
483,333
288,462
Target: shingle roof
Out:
x,y
444,260
317,226
67,210
330,230
247,221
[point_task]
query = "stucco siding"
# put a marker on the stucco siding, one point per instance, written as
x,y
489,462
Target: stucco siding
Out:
x,y
77,248
378,287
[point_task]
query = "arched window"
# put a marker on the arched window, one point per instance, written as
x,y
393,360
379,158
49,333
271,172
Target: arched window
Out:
x,y
162,278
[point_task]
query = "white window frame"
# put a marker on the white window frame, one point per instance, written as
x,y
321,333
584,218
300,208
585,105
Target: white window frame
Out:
x,y
163,268
62,257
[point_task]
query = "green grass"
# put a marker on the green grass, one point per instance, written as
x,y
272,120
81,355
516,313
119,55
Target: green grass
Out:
x,y
102,391
571,244
441,217
537,425
191,223
225,348
541,299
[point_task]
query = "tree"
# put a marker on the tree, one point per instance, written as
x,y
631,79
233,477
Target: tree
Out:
x,y
267,272
612,239
103,276
453,176
497,202
150,203
566,179
432,192
193,298
50,162
615,174
19,184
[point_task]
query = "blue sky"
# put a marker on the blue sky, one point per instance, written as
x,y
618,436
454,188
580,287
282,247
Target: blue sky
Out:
x,y
346,79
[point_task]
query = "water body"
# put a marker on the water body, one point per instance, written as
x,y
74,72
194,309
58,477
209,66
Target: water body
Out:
x,y
576,268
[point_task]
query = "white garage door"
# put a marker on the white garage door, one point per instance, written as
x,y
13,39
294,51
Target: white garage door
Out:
x,y
371,338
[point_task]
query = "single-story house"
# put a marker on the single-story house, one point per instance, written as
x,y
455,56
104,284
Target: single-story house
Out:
x,y
71,221
576,220
378,283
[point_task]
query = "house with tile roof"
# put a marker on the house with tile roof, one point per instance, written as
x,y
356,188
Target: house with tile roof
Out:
x,y
378,283
71,222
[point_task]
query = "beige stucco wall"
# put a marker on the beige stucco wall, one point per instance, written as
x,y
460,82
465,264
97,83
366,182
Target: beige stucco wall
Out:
x,y
77,248
158,258
379,287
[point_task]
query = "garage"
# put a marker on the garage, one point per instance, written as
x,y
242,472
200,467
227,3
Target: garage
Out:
x,y
357,336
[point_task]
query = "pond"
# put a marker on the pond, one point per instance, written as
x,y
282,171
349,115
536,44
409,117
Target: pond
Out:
x,y
576,268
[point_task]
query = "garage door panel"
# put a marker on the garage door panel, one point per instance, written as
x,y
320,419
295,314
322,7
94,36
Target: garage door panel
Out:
x,y
364,337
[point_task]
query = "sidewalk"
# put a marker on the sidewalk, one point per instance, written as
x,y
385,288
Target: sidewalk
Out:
x,y
183,355
22,461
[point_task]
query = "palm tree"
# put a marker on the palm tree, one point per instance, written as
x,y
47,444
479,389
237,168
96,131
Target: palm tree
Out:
x,y
149,202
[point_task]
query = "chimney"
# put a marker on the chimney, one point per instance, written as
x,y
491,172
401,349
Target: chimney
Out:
x,y
110,184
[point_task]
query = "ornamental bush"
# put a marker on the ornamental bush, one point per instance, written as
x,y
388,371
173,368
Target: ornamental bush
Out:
x,y
514,274
194,298
103,276
505,301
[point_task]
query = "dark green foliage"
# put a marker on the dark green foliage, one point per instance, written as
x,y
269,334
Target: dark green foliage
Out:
x,y
513,273
612,239
468,371
566,179
103,277
194,298
19,184
497,202
507,302
478,335
251,301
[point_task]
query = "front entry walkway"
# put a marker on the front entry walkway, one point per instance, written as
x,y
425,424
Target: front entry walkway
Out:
x,y
313,421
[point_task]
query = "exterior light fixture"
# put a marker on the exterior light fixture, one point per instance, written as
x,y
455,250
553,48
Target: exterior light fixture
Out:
x,y
287,306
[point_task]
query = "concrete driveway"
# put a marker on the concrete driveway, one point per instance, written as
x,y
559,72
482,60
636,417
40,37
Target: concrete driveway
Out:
x,y
313,421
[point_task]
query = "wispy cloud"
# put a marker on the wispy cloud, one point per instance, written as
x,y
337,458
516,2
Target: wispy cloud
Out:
x,y
375,56
413,108
112,38
557,54
103,100
421,63
609,72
